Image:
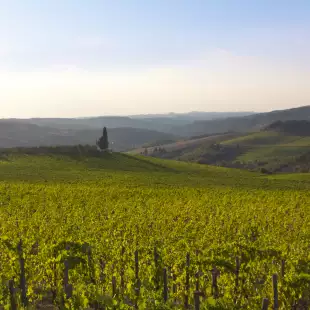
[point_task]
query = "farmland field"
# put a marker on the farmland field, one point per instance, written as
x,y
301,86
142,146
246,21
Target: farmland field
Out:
x,y
186,144
137,232
270,146
269,150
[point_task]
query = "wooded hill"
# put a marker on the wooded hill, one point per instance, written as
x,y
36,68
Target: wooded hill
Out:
x,y
243,124
280,146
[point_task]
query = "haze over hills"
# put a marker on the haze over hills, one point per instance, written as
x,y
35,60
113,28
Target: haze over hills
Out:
x,y
133,132
159,122
20,134
193,116
125,132
243,124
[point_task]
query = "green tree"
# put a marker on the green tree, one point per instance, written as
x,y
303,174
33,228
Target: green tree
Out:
x,y
103,142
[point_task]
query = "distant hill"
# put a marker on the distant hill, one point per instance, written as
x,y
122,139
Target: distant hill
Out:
x,y
299,128
99,122
125,133
17,133
280,146
277,148
242,124
158,122
193,116
135,132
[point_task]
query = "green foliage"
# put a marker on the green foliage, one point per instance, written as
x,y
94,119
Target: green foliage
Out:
x,y
95,212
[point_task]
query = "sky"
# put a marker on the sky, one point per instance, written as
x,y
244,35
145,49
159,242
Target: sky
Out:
x,y
74,58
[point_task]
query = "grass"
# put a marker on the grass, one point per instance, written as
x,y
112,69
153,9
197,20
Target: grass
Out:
x,y
270,147
300,177
129,170
185,147
271,153
261,138
299,141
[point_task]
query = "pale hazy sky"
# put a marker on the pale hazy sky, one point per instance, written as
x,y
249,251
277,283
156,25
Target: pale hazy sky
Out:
x,y
61,58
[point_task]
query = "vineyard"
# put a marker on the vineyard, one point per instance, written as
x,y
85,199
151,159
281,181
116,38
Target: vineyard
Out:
x,y
125,232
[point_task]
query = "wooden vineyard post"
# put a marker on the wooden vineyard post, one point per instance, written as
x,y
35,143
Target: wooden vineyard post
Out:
x,y
197,292
198,272
66,275
265,304
122,271
22,278
137,288
215,274
12,295
165,291
102,269
54,268
156,269
275,291
237,278
174,287
68,289
197,282
186,299
282,268
91,265
102,276
114,291
197,299
113,286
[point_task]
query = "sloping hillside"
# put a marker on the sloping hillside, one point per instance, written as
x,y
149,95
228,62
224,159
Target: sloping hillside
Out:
x,y
184,145
299,128
281,146
243,124
14,134
119,169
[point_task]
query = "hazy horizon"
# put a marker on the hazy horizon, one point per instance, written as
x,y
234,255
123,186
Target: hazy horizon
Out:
x,y
80,59
135,115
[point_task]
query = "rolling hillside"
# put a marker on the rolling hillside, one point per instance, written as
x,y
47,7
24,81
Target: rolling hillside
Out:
x,y
125,133
281,146
160,122
65,164
184,145
253,122
13,134
272,150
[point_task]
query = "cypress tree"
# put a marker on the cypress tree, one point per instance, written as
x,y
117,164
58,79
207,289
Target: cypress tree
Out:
x,y
103,142
105,139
